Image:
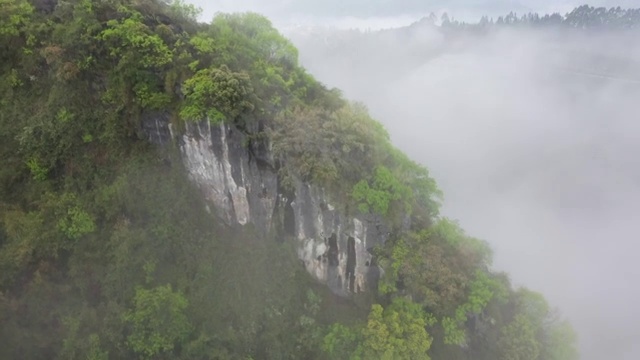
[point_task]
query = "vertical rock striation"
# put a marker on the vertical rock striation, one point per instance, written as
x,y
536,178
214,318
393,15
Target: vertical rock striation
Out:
x,y
240,180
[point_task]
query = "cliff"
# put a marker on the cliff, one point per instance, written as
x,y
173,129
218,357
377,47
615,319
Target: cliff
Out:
x,y
240,181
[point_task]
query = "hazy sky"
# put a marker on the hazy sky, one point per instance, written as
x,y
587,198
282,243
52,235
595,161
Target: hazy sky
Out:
x,y
388,13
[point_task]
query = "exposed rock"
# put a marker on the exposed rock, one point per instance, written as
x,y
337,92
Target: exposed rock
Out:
x,y
157,127
241,182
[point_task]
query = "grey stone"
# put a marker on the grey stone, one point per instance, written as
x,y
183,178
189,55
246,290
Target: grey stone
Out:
x,y
240,180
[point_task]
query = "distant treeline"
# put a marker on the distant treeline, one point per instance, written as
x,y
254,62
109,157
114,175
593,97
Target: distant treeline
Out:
x,y
582,17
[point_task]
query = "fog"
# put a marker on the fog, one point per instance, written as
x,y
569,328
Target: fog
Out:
x,y
533,138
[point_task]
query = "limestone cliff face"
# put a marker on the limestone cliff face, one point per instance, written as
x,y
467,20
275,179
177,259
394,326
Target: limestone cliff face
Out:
x,y
241,184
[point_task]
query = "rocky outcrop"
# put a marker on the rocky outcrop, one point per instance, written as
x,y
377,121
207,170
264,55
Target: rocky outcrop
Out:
x,y
240,181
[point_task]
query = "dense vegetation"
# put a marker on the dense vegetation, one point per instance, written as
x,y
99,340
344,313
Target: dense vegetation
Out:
x,y
106,251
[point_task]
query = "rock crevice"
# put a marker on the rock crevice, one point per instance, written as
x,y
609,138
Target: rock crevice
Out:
x,y
220,160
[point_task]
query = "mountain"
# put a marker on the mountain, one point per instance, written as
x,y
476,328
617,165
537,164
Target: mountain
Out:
x,y
184,190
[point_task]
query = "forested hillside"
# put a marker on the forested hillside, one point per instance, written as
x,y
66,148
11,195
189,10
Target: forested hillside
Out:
x,y
109,251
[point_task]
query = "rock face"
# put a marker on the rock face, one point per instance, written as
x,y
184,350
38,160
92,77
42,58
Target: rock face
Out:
x,y
239,180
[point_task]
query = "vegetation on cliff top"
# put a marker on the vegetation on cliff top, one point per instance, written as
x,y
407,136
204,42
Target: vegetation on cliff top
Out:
x,y
106,251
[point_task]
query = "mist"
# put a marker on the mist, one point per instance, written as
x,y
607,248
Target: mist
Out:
x,y
533,138
532,135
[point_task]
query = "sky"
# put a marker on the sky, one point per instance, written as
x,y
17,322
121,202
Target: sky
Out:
x,y
533,154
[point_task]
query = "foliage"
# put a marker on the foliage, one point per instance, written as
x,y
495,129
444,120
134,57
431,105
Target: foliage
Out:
x,y
518,341
339,149
131,40
552,335
323,146
158,321
138,52
438,267
394,263
341,341
560,342
14,14
76,223
397,332
184,11
216,94
38,171
454,236
78,344
425,197
248,42
377,194
482,290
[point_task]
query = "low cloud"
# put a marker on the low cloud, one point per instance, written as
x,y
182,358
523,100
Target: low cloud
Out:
x,y
533,137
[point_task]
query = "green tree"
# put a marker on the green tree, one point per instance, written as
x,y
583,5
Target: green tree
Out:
x,y
79,342
397,332
378,194
518,340
319,145
216,94
131,41
183,11
556,337
483,289
439,267
138,53
14,15
560,342
341,341
158,321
